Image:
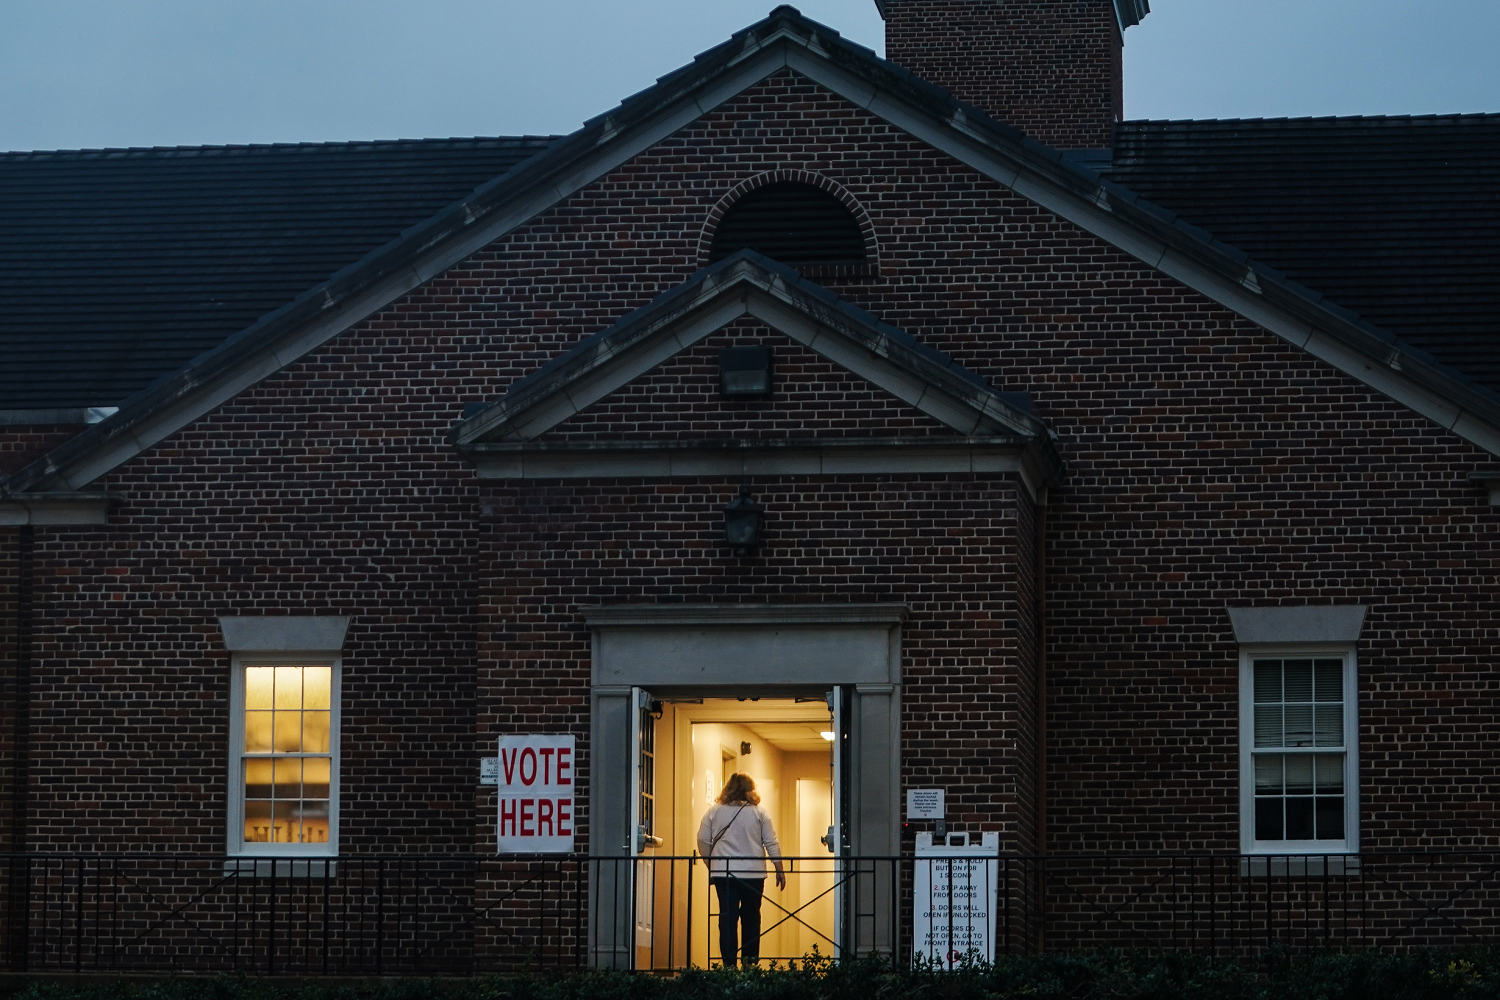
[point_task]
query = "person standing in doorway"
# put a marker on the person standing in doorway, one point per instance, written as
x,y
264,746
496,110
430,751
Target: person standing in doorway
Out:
x,y
735,839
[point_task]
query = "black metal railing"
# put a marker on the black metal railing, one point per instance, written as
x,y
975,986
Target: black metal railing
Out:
x,y
88,913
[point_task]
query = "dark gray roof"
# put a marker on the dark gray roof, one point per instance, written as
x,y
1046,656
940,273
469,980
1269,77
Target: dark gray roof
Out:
x,y
120,266
1395,219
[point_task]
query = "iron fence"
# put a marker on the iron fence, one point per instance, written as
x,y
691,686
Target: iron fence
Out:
x,y
93,912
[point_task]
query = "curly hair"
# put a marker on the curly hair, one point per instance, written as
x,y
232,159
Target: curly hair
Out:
x,y
739,788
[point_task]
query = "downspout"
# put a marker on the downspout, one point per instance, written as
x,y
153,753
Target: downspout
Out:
x,y
17,904
1039,835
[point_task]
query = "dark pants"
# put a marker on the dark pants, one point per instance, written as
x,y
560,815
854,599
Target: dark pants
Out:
x,y
739,909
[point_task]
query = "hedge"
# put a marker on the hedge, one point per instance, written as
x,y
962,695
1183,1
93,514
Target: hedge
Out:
x,y
1364,975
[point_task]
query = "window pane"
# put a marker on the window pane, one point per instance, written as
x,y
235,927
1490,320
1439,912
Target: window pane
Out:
x,y
258,687
1299,818
288,779
1299,726
288,688
1298,680
1330,817
288,737
257,732
1330,773
1268,819
315,777
317,687
314,822
1268,774
284,822
1299,774
1329,680
258,821
1267,680
257,779
1268,726
1329,729
315,732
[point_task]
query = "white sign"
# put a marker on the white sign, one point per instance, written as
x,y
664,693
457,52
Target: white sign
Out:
x,y
489,770
535,795
924,803
954,899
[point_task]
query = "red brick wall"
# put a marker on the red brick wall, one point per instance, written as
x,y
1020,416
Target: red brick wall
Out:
x,y
947,546
319,492
22,445
10,678
1208,464
1051,69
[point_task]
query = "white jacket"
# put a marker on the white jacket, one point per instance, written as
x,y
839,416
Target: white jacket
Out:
x,y
744,839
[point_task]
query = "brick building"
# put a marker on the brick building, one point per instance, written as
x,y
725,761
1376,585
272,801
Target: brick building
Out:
x,y
1134,484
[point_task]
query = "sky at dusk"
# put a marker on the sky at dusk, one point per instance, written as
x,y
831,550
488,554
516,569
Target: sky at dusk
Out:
x,y
98,73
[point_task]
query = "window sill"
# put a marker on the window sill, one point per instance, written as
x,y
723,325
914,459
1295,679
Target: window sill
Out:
x,y
1299,865
281,868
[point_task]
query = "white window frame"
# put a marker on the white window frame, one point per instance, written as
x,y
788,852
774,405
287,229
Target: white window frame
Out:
x,y
1350,842
237,846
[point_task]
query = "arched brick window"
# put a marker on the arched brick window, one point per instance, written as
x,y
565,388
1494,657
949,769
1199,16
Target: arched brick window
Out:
x,y
792,222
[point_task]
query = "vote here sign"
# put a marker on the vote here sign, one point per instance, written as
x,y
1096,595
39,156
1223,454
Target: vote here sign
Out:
x,y
535,795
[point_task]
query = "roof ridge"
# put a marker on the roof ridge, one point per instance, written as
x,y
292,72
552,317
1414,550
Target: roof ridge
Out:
x,y
254,147
1316,119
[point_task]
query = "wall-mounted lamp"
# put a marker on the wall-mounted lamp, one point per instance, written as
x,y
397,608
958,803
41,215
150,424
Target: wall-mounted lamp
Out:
x,y
742,517
745,372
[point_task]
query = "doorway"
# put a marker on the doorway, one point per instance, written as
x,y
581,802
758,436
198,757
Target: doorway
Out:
x,y
658,672
789,746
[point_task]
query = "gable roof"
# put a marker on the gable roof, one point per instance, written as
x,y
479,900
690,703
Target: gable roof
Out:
x,y
120,266
1395,219
784,40
986,423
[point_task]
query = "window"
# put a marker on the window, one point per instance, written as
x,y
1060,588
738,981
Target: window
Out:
x,y
796,224
1298,748
284,767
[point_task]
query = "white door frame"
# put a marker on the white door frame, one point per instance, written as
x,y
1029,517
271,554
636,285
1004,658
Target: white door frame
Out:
x,y
728,649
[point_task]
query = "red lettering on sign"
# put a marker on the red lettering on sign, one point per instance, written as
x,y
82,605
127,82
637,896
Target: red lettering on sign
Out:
x,y
528,817
544,817
565,817
528,775
507,817
564,765
508,765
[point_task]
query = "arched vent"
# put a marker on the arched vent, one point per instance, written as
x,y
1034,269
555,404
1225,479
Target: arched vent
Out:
x,y
792,223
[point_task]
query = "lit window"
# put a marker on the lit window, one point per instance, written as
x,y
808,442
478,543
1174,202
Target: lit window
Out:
x,y
1299,785
284,794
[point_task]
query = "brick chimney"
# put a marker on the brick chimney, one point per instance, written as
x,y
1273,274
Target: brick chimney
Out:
x,y
1051,68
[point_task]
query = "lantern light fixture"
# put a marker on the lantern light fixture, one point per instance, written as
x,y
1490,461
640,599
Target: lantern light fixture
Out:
x,y
742,519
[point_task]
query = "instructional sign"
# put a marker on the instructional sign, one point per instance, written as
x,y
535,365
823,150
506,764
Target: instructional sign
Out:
x,y
535,795
954,899
924,803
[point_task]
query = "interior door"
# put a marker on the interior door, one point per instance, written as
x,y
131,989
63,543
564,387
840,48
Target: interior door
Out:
x,y
643,821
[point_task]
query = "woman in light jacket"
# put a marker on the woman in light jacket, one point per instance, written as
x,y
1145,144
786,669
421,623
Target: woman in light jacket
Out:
x,y
735,838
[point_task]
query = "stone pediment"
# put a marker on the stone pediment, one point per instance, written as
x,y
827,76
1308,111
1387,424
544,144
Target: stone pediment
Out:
x,y
977,427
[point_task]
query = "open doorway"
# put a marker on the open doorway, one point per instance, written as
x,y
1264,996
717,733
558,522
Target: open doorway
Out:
x,y
788,745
